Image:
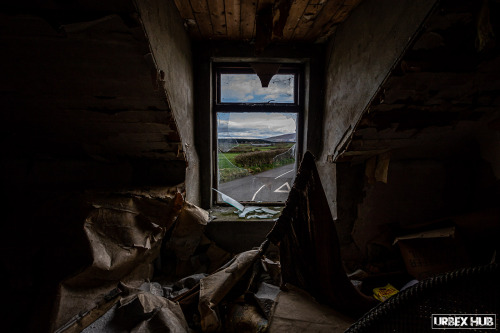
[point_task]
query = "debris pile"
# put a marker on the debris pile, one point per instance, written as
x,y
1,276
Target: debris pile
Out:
x,y
154,268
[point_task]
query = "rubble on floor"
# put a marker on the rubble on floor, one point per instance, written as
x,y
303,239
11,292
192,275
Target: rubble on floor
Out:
x,y
187,283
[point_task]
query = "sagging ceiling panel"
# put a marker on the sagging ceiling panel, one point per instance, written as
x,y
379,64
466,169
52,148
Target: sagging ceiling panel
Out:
x,y
289,20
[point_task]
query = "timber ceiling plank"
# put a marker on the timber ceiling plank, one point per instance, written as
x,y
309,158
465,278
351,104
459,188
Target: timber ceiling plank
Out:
x,y
297,9
322,20
218,18
202,15
339,17
233,17
307,20
248,10
187,15
293,20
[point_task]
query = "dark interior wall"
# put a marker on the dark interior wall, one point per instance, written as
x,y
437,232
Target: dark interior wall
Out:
x,y
436,119
82,107
360,56
454,190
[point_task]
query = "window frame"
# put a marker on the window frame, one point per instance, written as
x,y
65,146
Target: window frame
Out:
x,y
217,106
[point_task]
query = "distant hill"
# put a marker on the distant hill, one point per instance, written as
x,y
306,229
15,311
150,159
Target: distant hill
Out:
x,y
242,140
283,138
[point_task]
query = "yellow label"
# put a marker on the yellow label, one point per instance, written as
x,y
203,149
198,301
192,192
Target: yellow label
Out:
x,y
383,293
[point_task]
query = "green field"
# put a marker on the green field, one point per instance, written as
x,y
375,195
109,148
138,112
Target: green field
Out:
x,y
230,170
223,160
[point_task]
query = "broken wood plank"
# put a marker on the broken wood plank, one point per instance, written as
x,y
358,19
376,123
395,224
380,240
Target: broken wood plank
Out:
x,y
307,20
281,10
264,7
341,15
232,8
202,15
263,28
297,9
321,23
218,18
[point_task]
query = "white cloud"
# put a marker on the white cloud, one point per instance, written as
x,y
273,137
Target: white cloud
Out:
x,y
248,88
255,125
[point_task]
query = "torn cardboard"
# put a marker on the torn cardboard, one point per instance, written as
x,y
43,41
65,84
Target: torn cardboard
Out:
x,y
124,233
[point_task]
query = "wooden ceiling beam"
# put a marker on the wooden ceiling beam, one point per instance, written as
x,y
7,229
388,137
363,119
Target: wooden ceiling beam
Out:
x,y
292,20
281,11
296,10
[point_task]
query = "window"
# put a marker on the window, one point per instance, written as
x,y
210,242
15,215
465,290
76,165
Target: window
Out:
x,y
256,132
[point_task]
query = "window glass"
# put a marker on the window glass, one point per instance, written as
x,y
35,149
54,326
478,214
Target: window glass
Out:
x,y
256,155
247,88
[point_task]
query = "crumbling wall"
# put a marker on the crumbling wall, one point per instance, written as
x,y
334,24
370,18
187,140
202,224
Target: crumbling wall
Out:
x,y
80,109
171,50
433,132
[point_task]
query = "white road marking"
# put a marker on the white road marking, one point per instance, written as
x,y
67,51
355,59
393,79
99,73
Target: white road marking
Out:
x,y
255,194
283,174
279,190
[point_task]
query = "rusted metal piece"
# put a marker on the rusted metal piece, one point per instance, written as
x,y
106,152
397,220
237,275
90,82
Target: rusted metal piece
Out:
x,y
309,246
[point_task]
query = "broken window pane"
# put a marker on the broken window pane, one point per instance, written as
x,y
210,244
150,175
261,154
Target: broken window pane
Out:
x,y
256,155
247,88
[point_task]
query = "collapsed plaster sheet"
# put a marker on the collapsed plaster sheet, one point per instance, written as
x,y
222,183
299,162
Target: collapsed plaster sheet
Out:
x,y
124,235
188,231
215,287
141,311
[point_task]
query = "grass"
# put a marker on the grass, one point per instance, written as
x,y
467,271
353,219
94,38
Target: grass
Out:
x,y
226,159
229,170
228,174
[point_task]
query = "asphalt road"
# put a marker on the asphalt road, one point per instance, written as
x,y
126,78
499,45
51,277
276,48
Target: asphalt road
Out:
x,y
268,186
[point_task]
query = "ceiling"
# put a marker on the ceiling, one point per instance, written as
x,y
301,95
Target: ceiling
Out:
x,y
283,20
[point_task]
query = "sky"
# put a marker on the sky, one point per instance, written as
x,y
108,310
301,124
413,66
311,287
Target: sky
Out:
x,y
246,88
255,125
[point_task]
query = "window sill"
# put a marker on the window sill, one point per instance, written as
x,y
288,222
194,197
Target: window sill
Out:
x,y
230,214
235,234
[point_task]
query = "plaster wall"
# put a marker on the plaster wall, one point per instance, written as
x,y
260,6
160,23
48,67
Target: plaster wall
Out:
x,y
360,56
